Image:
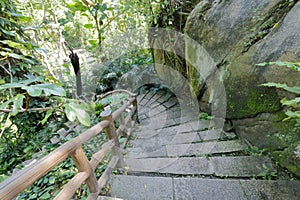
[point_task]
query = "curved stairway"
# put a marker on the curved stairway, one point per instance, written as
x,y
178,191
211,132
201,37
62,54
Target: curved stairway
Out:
x,y
181,157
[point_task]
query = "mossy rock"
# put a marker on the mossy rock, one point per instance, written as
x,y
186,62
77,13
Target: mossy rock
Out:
x,y
288,159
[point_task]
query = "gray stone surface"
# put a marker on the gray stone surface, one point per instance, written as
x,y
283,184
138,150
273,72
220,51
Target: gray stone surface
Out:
x,y
148,188
275,190
134,187
164,98
200,149
241,23
171,165
108,198
240,166
147,97
196,188
162,140
172,102
164,128
158,95
142,153
215,189
163,147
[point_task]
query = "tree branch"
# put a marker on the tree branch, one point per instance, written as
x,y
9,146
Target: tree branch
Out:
x,y
29,110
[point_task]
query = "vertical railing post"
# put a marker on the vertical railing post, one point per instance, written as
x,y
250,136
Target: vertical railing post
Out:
x,y
110,130
111,134
135,106
83,165
123,125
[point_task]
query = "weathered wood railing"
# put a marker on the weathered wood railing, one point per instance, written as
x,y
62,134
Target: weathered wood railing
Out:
x,y
14,185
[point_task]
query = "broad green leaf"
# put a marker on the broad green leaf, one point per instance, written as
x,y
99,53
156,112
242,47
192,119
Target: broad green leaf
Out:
x,y
8,32
292,65
10,85
25,19
93,42
88,26
5,104
29,81
27,149
2,81
16,56
49,89
102,17
292,114
14,14
18,102
52,180
46,195
48,114
292,103
81,114
295,89
78,6
33,28
103,7
33,91
13,44
71,115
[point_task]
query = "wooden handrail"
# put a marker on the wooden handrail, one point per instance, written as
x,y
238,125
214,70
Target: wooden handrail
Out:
x,y
17,183
116,92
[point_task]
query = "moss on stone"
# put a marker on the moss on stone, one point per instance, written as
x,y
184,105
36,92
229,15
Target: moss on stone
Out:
x,y
257,100
288,159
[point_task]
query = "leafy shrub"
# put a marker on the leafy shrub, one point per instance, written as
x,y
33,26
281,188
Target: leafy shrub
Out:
x,y
118,67
293,105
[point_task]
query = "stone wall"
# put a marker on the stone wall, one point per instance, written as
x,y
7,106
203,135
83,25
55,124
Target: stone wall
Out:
x,y
238,34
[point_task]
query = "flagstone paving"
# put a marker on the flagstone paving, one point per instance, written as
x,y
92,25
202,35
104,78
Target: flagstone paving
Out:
x,y
176,155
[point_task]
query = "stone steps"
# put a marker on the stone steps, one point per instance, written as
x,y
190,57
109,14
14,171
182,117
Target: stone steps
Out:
x,y
179,149
157,188
177,156
239,166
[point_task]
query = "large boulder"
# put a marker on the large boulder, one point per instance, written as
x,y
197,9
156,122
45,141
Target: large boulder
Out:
x,y
218,51
237,35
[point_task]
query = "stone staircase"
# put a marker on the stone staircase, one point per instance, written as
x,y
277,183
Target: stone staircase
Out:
x,y
181,157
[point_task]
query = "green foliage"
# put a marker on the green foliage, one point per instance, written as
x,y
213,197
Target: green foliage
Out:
x,y
79,111
49,185
120,66
205,116
35,77
255,151
292,104
115,100
21,140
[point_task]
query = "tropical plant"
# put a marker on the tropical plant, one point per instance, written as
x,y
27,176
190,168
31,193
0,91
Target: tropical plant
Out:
x,y
293,105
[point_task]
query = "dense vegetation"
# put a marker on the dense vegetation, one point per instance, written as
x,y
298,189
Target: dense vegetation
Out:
x,y
37,82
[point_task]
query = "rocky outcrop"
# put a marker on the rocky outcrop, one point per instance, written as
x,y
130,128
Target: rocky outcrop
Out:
x,y
237,35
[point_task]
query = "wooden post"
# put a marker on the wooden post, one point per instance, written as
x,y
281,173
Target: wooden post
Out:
x,y
83,165
135,106
111,134
110,130
123,125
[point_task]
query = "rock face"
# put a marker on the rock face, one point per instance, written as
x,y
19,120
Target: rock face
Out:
x,y
238,34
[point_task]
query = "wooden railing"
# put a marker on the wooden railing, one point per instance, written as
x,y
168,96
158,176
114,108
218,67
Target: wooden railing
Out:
x,y
17,183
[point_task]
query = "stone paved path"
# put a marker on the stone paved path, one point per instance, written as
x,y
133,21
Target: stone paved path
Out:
x,y
182,157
